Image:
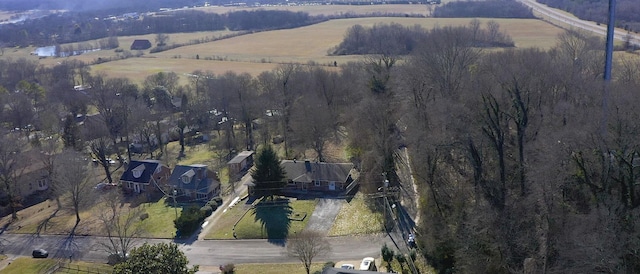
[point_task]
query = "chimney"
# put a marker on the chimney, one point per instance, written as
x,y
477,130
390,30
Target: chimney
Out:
x,y
307,165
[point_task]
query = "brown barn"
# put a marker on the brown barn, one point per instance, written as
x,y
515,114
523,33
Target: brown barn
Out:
x,y
140,44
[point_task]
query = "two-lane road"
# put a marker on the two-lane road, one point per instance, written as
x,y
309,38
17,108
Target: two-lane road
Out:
x,y
203,252
561,16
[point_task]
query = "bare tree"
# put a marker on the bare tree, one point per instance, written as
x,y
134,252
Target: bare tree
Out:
x,y
72,176
307,245
11,168
100,149
120,223
162,39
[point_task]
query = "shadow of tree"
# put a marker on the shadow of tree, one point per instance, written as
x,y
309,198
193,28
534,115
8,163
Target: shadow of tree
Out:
x,y
46,222
273,215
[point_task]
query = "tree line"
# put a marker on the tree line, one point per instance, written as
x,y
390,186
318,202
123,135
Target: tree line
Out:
x,y
483,9
519,163
396,39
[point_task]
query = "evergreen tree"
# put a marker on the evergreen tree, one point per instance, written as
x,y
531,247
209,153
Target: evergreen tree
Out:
x,y
71,134
268,175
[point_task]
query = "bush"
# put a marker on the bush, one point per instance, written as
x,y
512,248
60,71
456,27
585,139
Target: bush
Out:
x,y
144,216
206,210
189,220
228,269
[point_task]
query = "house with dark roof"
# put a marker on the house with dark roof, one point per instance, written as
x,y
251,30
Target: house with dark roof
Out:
x,y
140,44
194,182
307,176
145,176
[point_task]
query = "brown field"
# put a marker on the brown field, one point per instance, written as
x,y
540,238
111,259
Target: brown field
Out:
x,y
264,50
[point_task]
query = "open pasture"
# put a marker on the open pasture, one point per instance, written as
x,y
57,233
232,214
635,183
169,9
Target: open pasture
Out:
x,y
262,51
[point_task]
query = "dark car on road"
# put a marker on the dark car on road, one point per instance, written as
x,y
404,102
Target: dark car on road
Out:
x,y
40,253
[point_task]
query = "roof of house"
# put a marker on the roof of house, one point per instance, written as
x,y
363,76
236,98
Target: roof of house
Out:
x,y
143,168
141,44
190,177
306,171
241,156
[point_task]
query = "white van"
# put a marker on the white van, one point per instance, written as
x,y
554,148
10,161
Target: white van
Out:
x,y
368,263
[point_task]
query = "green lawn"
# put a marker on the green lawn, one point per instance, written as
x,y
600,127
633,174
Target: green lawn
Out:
x,y
356,218
224,226
274,221
160,221
295,268
28,265
85,267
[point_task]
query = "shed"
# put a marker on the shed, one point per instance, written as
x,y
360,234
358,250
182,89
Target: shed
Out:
x,y
140,44
242,162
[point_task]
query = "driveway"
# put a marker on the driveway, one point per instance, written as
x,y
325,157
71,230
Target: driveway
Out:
x,y
325,213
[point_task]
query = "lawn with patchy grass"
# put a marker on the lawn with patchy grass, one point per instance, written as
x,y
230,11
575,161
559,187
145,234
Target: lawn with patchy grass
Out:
x,y
158,225
84,268
355,217
291,268
223,229
28,265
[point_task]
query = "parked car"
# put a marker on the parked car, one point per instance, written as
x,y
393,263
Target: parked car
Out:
x,y
39,253
411,241
368,263
347,266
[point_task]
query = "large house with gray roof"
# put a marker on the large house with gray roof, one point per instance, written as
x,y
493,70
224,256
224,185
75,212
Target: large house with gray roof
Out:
x,y
194,182
307,176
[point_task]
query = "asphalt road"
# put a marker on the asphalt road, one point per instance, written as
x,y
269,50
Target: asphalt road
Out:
x,y
561,16
204,252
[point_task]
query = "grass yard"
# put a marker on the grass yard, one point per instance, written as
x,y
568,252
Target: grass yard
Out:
x,y
224,225
275,221
266,221
160,221
158,225
28,265
85,268
356,218
292,268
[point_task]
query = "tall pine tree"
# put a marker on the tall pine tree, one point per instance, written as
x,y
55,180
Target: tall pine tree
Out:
x,y
268,175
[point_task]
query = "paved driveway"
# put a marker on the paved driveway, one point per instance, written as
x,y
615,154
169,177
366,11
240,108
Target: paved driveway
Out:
x,y
325,213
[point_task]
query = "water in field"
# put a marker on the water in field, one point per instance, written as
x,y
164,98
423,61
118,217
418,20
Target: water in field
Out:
x,y
50,51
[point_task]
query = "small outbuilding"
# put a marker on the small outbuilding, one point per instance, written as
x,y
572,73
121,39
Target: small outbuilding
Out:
x,y
242,162
141,44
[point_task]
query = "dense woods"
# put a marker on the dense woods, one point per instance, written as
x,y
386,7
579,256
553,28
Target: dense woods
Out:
x,y
626,11
484,9
520,165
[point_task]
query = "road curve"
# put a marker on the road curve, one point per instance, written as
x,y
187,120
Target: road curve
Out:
x,y
571,20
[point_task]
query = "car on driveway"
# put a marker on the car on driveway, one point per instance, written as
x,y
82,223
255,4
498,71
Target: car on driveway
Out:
x,y
39,253
368,263
347,266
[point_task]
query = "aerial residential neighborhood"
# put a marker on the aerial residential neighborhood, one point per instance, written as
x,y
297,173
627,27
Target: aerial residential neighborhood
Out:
x,y
324,137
